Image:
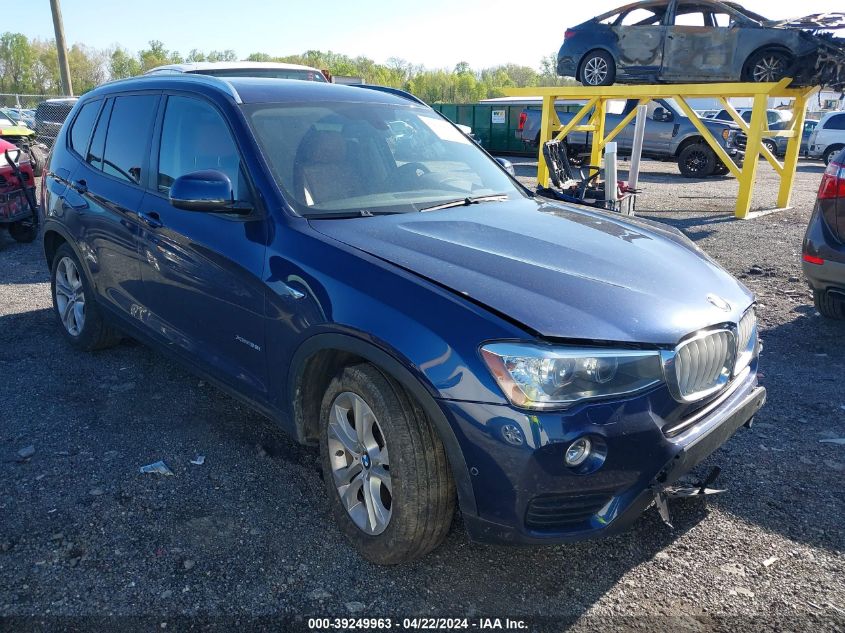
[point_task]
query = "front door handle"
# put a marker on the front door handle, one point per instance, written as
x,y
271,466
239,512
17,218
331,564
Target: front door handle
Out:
x,y
151,219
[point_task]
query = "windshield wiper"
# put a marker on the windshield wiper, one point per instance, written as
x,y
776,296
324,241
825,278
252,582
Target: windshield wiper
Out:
x,y
465,202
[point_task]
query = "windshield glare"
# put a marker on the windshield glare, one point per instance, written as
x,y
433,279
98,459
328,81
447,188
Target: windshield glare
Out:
x,y
335,158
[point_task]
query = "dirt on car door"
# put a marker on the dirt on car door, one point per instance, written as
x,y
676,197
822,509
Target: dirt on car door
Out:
x,y
700,44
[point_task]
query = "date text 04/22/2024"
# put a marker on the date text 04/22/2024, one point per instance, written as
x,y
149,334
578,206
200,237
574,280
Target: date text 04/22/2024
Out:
x,y
424,624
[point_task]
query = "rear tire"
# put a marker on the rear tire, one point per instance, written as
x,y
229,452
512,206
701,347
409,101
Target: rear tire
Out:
x,y
830,153
767,66
697,160
79,316
598,69
394,514
24,231
830,305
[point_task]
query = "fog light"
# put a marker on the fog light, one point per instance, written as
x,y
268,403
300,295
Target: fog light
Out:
x,y
578,452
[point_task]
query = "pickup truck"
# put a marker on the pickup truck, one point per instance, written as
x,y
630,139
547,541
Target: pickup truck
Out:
x,y
669,135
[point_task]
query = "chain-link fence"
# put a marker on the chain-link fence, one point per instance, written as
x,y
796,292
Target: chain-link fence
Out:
x,y
32,122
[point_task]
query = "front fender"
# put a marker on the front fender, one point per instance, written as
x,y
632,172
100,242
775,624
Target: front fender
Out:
x,y
407,375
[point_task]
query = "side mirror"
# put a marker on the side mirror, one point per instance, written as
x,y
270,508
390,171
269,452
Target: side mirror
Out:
x,y
209,190
506,165
662,115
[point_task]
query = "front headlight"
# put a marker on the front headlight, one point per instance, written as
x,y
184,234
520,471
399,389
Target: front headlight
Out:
x,y
540,377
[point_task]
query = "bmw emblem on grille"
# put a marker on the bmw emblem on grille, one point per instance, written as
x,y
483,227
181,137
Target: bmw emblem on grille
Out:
x,y
720,303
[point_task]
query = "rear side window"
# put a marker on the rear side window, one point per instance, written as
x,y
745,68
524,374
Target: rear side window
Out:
x,y
836,122
194,137
83,125
128,132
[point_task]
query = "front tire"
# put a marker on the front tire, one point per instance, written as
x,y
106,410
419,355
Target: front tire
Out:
x,y
76,310
697,160
598,69
767,66
385,469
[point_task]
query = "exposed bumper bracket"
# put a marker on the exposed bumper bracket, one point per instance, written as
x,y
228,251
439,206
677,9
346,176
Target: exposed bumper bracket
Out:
x,y
662,495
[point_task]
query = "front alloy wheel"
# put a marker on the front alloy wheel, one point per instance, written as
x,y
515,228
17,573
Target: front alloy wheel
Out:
x,y
393,506
360,463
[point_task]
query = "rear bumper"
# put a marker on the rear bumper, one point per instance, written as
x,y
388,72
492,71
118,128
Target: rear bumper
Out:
x,y
509,480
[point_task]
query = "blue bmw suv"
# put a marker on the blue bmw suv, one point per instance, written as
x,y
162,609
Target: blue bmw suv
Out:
x,y
350,264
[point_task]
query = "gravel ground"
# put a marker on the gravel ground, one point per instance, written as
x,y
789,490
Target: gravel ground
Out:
x,y
245,539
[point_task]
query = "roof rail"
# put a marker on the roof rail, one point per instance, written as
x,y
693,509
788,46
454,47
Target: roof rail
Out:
x,y
217,82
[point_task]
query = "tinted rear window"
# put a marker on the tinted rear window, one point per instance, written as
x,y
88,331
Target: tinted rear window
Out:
x,y
83,125
129,131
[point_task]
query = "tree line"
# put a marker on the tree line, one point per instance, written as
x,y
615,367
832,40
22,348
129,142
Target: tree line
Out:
x,y
30,66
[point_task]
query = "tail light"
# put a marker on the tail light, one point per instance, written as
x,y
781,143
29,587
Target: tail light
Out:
x,y
523,117
569,33
833,182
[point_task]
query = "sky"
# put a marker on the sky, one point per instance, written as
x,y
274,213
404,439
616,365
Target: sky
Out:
x,y
434,33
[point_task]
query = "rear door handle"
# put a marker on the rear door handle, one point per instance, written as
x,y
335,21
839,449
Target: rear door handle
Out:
x,y
79,186
151,219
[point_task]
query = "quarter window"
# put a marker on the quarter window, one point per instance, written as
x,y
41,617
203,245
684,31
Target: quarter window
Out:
x,y
129,130
194,137
94,157
83,125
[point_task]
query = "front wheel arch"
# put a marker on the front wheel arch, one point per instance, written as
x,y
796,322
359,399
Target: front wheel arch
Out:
x,y
316,362
746,67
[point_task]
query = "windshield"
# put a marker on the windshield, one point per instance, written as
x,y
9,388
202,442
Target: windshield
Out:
x,y
365,158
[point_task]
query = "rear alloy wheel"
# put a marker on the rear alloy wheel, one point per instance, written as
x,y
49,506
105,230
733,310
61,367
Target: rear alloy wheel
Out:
x,y
767,66
75,308
598,69
385,468
697,161
830,305
773,147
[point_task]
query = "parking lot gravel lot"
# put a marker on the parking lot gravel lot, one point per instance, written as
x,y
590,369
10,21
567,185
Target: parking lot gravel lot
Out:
x,y
245,538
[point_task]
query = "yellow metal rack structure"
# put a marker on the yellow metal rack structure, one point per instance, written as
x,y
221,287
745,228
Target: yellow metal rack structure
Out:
x,y
595,106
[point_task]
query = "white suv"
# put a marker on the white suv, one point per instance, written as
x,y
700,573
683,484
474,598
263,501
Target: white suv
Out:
x,y
244,69
828,137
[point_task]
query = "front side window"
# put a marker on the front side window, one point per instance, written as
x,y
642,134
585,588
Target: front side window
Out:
x,y
194,137
349,157
128,133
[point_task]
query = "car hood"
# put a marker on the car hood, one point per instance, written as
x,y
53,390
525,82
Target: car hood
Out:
x,y
559,271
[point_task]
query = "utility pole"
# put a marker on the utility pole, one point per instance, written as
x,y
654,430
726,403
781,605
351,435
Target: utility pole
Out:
x,y
61,47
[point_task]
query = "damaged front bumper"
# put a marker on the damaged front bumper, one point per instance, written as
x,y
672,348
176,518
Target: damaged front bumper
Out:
x,y
525,494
